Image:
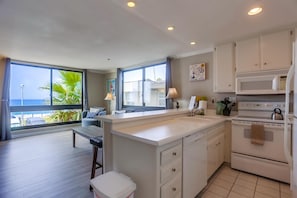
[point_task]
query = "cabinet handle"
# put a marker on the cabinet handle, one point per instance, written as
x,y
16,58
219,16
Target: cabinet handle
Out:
x,y
256,65
229,85
173,169
173,189
174,153
265,63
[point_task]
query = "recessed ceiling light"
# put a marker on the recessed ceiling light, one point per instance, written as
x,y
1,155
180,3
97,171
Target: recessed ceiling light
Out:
x,y
131,4
170,28
255,11
193,43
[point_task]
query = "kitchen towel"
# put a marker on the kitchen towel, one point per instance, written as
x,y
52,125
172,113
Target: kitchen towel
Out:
x,y
257,134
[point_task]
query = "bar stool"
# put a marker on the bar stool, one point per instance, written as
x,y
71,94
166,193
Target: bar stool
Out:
x,y
97,143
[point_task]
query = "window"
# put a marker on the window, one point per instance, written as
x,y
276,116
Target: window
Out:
x,y
43,96
145,87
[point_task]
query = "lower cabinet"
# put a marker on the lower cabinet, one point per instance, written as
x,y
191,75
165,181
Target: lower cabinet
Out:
x,y
158,170
171,172
215,149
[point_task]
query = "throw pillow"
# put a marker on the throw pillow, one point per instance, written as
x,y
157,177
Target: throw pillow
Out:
x,y
96,109
91,114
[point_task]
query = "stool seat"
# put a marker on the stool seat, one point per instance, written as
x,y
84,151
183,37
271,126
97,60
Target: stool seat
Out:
x,y
97,141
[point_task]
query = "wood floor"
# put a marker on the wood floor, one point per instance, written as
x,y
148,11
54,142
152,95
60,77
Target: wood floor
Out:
x,y
46,166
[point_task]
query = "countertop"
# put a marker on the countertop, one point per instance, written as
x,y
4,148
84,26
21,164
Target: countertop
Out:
x,y
134,116
163,132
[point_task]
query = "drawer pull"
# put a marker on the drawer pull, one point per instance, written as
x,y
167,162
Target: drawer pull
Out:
x,y
174,153
173,189
173,169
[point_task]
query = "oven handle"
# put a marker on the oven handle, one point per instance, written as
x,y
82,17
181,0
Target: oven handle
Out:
x,y
288,155
274,126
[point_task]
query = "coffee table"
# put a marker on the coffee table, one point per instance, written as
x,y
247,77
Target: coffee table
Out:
x,y
87,132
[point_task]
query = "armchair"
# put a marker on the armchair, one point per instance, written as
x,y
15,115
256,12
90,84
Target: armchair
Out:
x,y
89,116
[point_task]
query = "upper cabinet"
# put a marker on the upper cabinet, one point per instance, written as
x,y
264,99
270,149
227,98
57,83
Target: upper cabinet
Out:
x,y
267,52
276,50
248,55
224,68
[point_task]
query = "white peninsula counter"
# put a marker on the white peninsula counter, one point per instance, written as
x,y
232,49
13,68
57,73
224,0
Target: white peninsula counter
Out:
x,y
148,147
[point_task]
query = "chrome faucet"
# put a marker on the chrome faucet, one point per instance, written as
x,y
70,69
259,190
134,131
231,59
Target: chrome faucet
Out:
x,y
196,111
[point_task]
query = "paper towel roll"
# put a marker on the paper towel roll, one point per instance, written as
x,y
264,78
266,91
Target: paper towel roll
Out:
x,y
203,105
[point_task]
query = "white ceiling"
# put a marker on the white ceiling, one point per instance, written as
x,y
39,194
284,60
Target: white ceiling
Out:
x,y
86,33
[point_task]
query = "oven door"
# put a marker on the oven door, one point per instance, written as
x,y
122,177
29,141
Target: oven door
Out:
x,y
273,147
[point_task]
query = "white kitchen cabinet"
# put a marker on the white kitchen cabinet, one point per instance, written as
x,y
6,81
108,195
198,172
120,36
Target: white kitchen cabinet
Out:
x,y
215,149
171,170
227,141
267,52
156,170
276,50
224,68
248,55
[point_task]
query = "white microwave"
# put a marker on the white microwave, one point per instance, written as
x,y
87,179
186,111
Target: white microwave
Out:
x,y
256,85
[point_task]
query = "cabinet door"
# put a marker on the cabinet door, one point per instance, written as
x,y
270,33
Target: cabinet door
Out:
x,y
224,69
276,50
220,149
248,55
212,156
172,188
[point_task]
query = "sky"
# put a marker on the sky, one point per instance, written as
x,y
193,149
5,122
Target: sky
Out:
x,y
32,78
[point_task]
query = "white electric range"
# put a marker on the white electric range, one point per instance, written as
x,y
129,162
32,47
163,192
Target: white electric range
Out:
x,y
267,159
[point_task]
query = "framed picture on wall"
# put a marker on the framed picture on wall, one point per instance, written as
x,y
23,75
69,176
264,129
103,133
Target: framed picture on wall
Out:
x,y
110,86
197,71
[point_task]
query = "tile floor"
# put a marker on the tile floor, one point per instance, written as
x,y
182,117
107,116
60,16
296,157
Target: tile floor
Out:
x,y
229,183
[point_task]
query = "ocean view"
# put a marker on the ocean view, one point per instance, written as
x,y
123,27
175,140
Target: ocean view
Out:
x,y
28,102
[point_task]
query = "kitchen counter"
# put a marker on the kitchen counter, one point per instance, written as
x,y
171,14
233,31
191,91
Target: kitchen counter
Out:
x,y
155,128
163,132
149,147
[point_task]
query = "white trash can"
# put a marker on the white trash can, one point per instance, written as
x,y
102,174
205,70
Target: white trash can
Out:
x,y
113,185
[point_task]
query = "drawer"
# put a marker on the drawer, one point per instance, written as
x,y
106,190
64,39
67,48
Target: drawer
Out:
x,y
171,154
171,170
172,188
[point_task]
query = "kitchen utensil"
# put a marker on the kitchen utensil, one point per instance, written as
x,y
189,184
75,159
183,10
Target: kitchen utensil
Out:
x,y
277,114
228,107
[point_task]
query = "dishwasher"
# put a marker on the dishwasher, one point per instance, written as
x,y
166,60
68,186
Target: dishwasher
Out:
x,y
194,164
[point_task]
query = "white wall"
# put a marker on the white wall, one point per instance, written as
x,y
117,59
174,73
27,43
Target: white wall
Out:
x,y
187,88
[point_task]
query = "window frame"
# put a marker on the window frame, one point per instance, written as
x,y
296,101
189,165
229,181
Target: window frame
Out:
x,y
143,107
51,106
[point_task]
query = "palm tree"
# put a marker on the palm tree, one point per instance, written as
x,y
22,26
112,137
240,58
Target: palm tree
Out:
x,y
66,92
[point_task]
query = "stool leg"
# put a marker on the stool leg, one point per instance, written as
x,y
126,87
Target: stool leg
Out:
x,y
73,139
102,161
95,151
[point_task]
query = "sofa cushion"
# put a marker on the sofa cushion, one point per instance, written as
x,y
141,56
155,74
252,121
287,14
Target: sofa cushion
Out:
x,y
91,114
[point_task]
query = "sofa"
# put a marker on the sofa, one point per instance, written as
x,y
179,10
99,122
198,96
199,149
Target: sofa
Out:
x,y
89,116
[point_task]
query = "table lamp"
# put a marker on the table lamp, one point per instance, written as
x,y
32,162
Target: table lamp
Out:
x,y
172,94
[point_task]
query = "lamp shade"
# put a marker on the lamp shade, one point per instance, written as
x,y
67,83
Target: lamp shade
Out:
x,y
172,93
108,96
